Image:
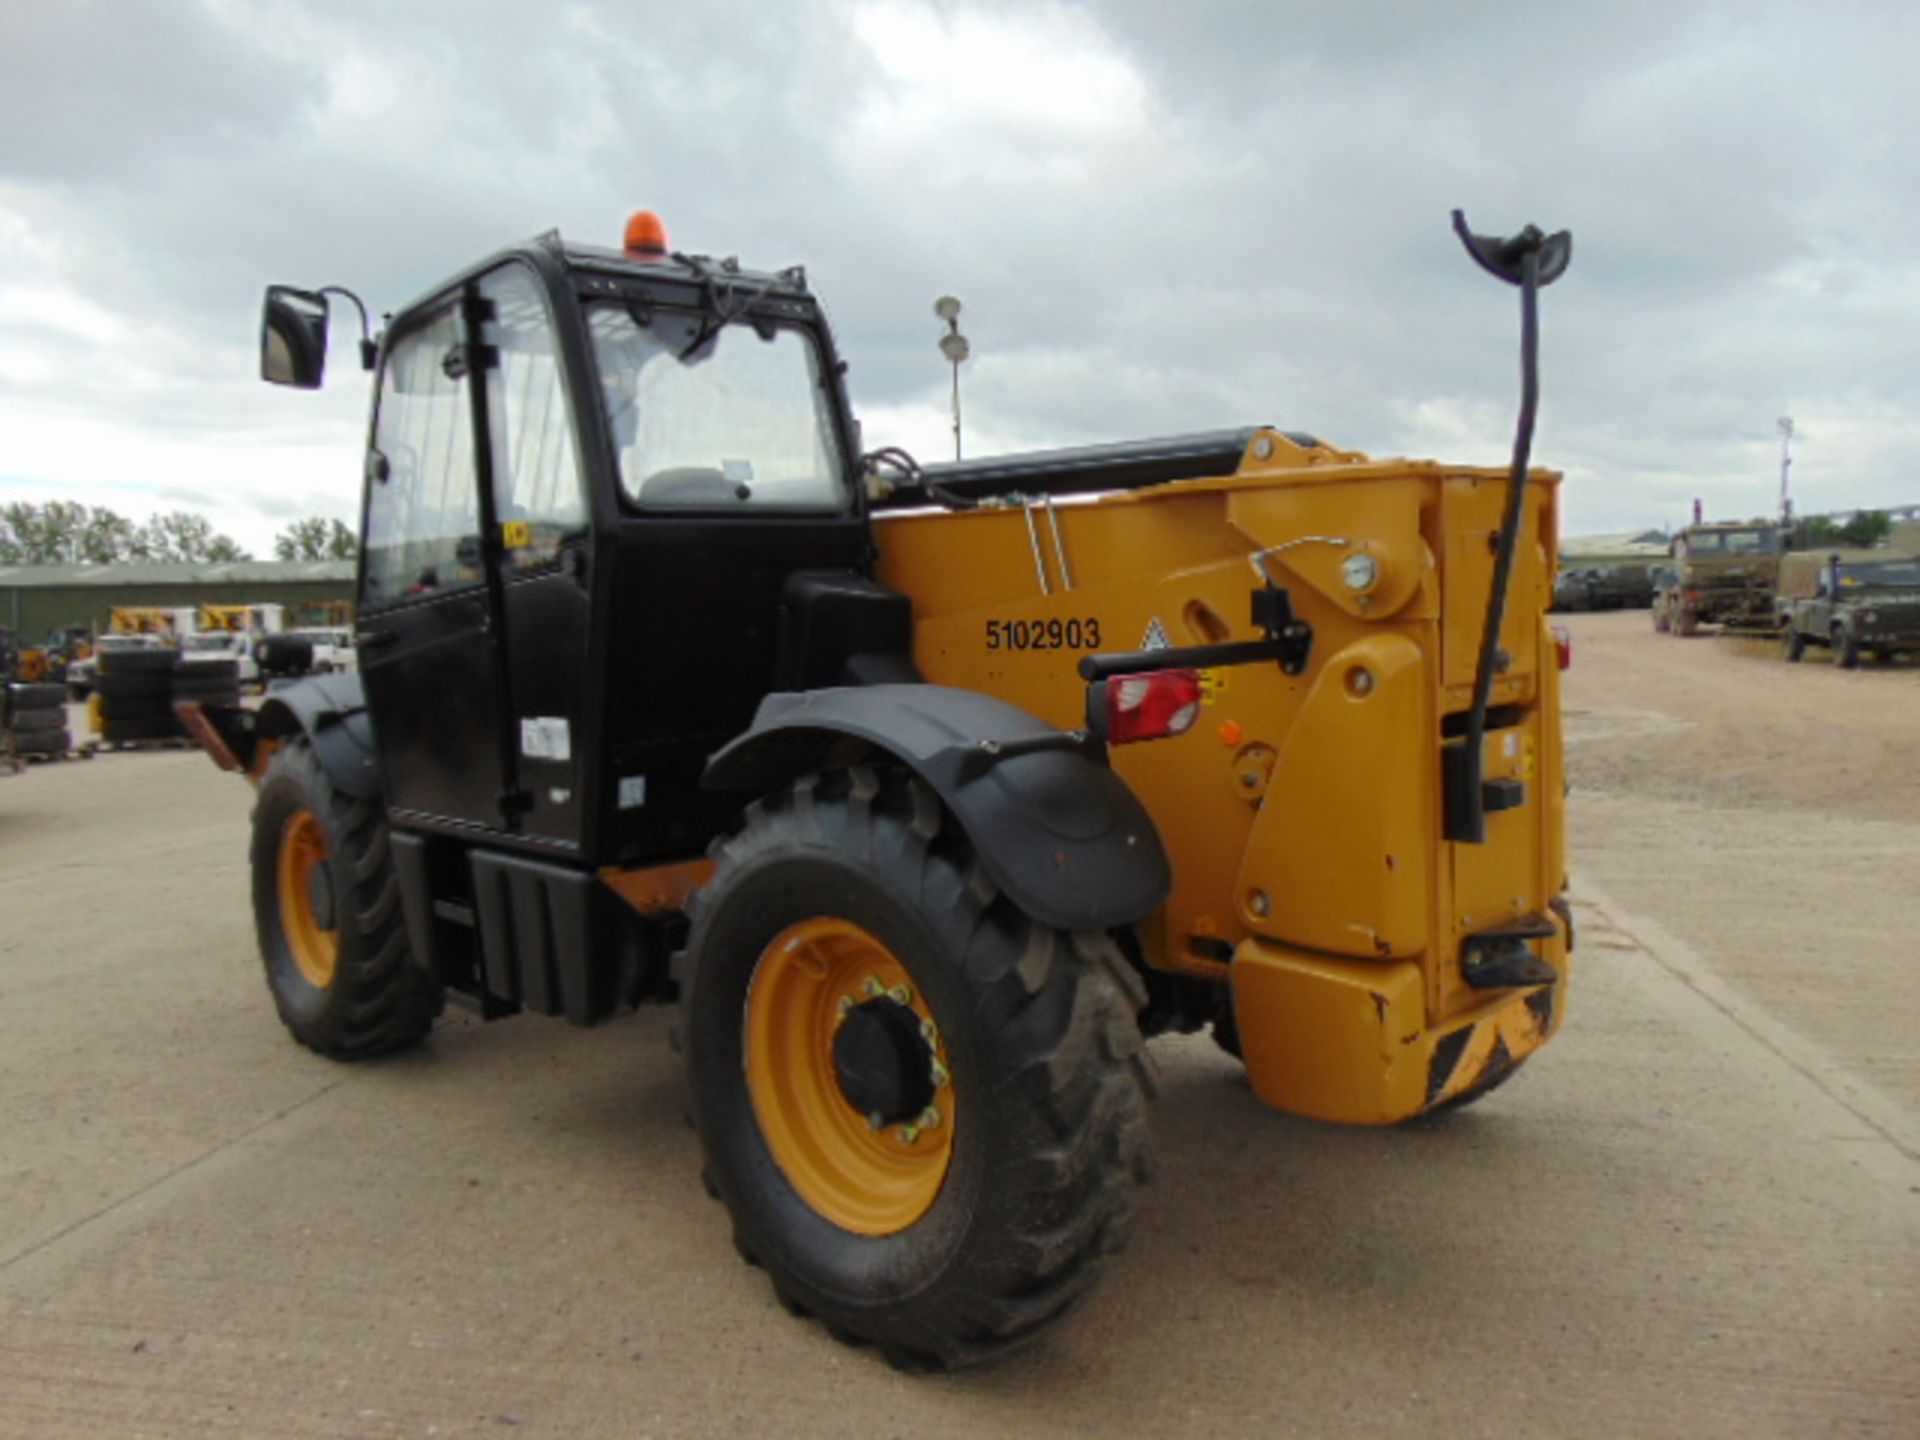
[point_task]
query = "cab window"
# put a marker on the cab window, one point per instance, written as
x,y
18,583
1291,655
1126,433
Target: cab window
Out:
x,y
423,516
538,500
723,418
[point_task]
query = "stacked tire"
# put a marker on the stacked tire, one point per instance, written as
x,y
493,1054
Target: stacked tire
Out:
x,y
284,656
36,720
210,682
135,689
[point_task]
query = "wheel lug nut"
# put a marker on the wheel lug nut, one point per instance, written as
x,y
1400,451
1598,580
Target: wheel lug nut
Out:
x,y
876,1121
940,1076
872,988
909,1134
901,995
929,1119
929,1033
846,1004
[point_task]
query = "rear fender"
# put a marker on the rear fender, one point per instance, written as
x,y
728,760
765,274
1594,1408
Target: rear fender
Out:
x,y
1059,833
329,709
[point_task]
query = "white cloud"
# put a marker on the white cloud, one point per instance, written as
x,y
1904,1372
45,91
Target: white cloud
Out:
x,y
1161,219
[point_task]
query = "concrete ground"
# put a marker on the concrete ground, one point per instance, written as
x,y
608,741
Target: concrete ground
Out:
x,y
1696,1214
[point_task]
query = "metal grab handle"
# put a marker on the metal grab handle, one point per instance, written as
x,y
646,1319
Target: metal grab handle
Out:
x,y
1529,260
1039,561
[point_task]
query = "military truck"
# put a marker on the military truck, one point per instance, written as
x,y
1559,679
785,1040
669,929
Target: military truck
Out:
x,y
927,794
1724,574
1623,586
1854,603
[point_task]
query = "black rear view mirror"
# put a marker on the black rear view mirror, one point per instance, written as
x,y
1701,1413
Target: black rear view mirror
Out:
x,y
293,337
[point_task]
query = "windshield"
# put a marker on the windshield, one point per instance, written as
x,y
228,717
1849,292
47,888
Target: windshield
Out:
x,y
121,642
210,642
1883,574
743,420
1731,542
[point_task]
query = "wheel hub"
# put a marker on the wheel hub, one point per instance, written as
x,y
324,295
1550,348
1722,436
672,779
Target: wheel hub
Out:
x,y
849,1077
882,1063
304,894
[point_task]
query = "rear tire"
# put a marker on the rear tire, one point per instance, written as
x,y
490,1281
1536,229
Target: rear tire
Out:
x,y
1226,1029
326,906
1040,1074
1796,646
1686,623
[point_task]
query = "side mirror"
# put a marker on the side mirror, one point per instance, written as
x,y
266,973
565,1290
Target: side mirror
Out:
x,y
293,337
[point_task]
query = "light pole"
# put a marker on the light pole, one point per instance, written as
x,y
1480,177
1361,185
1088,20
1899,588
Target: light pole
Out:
x,y
954,346
1785,423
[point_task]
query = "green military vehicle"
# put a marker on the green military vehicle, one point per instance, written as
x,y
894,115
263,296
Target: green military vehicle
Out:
x,y
1863,602
1627,586
1723,574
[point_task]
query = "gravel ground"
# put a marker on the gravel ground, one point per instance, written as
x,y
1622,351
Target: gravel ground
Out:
x,y
1696,1214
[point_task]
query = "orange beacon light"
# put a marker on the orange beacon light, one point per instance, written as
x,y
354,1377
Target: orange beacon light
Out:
x,y
646,237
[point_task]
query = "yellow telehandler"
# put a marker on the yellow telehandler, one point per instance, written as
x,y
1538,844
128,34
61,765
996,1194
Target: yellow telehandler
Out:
x,y
927,793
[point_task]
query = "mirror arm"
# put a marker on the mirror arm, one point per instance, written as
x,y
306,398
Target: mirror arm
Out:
x,y
367,348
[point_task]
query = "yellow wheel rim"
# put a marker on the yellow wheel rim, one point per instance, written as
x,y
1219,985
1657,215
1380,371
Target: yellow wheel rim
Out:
x,y
871,1181
315,948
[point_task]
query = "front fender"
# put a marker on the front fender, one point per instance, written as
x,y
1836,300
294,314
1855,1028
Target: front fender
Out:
x,y
1060,834
331,709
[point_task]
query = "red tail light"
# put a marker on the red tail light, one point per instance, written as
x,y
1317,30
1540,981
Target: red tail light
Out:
x,y
1154,706
1563,645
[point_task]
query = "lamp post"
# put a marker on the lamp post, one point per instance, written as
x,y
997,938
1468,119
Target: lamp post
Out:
x,y
1785,424
954,346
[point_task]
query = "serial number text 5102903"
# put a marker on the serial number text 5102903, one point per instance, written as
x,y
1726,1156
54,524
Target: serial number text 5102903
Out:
x,y
1052,634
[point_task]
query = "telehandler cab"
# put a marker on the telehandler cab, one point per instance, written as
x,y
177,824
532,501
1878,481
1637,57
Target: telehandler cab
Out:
x,y
928,793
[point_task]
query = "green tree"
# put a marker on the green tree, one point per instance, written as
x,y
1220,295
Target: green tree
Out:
x,y
182,536
62,532
316,538
1864,530
48,534
1867,528
106,537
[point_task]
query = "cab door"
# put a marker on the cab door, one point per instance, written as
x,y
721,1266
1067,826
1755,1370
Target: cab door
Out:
x,y
426,637
542,557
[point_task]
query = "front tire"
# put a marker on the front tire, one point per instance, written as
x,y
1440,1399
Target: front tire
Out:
x,y
1796,645
1846,649
326,907
1010,1101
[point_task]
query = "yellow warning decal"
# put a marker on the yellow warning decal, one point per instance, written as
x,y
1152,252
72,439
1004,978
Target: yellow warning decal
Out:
x,y
516,534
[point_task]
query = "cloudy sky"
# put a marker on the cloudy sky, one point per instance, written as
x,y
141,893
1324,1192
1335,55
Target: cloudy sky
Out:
x,y
1161,218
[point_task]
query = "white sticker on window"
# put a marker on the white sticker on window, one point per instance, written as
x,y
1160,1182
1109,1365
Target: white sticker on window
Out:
x,y
546,737
740,472
633,792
